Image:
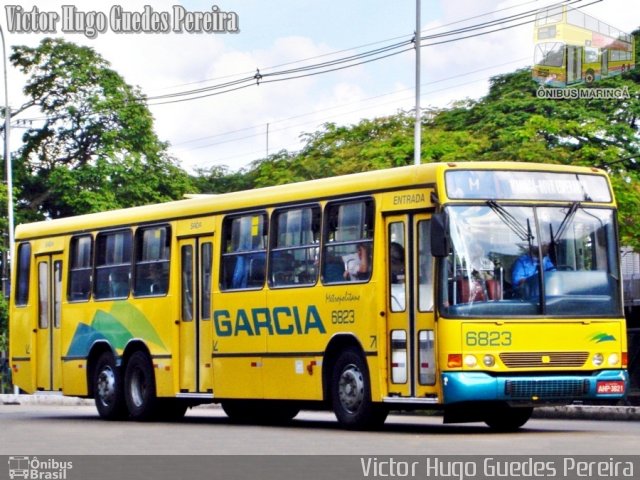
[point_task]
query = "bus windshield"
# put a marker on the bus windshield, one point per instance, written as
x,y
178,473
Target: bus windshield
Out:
x,y
522,261
550,54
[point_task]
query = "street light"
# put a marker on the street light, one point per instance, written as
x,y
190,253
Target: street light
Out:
x,y
7,155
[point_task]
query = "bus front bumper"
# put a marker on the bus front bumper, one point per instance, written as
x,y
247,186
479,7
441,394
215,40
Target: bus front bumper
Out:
x,y
535,389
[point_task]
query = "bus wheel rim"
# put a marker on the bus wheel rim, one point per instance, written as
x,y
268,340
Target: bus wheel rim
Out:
x,y
138,388
106,386
351,388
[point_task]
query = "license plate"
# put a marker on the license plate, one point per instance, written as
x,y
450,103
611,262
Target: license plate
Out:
x,y
610,387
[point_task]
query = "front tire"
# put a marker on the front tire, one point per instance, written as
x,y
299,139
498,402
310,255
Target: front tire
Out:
x,y
140,387
508,419
351,393
107,389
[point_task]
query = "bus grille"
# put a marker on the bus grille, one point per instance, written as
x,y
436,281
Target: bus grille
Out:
x,y
544,359
526,389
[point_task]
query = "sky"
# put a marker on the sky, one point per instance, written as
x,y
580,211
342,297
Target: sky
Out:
x,y
235,128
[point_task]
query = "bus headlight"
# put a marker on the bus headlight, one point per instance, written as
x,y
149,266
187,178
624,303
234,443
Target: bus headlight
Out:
x,y
470,361
597,359
613,359
489,360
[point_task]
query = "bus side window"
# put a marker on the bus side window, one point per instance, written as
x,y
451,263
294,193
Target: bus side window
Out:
x,y
24,269
80,267
244,240
348,236
113,264
294,246
153,252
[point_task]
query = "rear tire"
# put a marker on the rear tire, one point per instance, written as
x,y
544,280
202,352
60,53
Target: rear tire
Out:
x,y
351,393
107,389
140,387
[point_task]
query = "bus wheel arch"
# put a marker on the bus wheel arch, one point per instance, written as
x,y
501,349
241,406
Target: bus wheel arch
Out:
x,y
336,346
348,386
105,383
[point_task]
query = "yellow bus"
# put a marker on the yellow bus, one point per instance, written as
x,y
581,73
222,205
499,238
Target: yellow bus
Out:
x,y
410,288
573,48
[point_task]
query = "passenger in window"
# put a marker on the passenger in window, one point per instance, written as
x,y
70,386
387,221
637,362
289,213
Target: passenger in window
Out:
x,y
358,265
157,284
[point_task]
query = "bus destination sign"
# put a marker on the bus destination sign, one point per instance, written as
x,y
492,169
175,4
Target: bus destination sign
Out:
x,y
521,185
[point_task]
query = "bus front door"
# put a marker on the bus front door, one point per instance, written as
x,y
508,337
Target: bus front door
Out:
x,y
196,342
48,359
574,64
411,324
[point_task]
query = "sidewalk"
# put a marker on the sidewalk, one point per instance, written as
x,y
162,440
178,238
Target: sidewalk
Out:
x,y
43,399
578,412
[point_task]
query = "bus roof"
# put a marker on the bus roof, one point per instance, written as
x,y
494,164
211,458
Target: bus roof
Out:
x,y
300,192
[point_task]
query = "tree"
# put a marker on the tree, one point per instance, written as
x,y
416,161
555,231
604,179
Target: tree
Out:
x,y
219,179
96,148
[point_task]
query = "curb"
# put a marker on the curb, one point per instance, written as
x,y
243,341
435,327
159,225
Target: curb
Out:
x,y
589,412
44,399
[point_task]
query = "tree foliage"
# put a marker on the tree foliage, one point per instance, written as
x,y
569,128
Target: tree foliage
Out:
x,y
96,148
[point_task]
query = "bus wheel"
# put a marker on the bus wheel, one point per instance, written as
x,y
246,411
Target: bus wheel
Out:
x,y
107,388
589,77
508,419
351,393
140,387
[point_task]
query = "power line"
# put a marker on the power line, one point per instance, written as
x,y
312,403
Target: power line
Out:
x,y
378,42
253,127
334,116
346,62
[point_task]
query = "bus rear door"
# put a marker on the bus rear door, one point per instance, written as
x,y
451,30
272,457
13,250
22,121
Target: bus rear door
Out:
x,y
196,343
48,360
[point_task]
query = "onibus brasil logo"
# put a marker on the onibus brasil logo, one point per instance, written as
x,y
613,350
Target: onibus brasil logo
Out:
x,y
38,469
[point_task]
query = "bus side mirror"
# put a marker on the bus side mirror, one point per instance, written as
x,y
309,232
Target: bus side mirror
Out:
x,y
440,241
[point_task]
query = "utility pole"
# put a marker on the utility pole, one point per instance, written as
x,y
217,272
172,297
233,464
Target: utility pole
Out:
x,y
7,155
417,143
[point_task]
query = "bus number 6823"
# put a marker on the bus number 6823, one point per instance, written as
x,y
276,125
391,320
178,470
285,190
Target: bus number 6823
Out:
x,y
488,339
341,317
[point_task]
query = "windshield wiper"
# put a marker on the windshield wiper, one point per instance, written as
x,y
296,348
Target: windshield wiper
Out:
x,y
512,222
568,218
